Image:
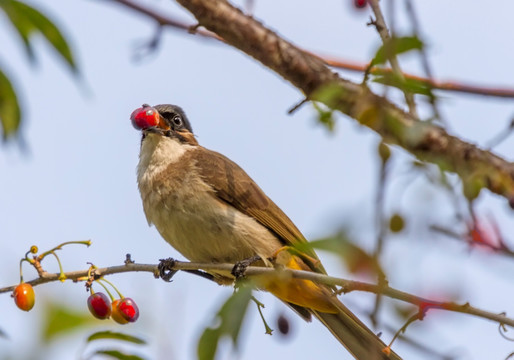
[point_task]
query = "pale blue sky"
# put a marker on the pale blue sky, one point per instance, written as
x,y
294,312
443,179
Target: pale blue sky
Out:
x,y
77,178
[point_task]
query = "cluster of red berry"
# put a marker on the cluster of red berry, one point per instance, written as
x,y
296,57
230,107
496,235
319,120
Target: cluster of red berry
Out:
x,y
122,310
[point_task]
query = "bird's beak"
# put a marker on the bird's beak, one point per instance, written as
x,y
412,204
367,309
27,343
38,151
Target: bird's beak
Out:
x,y
148,119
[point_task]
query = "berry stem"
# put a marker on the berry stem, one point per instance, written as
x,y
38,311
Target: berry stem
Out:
x,y
114,287
60,246
62,277
100,281
21,270
31,261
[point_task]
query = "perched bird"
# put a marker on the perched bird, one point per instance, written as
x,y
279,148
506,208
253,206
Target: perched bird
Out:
x,y
210,210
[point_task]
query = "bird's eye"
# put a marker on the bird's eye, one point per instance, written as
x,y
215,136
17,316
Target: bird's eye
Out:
x,y
177,121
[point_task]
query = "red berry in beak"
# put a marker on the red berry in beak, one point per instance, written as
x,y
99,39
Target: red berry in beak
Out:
x,y
24,296
128,309
144,117
99,305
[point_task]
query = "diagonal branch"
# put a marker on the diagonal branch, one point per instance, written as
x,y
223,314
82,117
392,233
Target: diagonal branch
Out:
x,y
477,168
453,86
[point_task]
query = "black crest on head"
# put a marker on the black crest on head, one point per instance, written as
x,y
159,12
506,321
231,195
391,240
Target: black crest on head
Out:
x,y
175,116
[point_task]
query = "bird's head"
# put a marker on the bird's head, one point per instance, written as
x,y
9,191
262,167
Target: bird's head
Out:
x,y
164,120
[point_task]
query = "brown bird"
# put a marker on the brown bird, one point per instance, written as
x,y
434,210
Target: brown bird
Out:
x,y
210,210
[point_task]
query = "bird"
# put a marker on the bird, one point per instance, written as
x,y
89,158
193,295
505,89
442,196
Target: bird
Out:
x,y
210,210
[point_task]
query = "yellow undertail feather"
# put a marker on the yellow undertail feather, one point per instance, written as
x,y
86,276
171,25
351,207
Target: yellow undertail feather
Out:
x,y
304,293
319,300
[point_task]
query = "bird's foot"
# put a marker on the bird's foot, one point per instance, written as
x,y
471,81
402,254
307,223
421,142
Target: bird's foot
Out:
x,y
239,268
166,270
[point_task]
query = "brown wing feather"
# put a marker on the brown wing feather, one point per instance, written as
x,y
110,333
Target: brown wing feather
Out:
x,y
233,185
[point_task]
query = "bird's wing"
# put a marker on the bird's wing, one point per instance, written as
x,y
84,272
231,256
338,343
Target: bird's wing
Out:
x,y
233,185
221,174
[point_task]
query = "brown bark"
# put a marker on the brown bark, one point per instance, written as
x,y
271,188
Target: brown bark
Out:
x,y
478,168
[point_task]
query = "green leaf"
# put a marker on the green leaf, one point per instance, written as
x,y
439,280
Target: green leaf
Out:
x,y
115,335
28,21
410,85
21,23
228,322
10,112
325,117
60,320
328,94
395,46
116,354
356,259
208,344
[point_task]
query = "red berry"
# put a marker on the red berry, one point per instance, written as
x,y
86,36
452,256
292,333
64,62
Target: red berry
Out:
x,y
24,296
128,309
99,305
116,313
360,4
145,117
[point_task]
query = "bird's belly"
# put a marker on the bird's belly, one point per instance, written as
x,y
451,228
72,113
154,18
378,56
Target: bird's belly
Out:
x,y
205,229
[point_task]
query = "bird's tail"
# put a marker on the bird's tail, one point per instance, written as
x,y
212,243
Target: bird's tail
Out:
x,y
306,297
355,336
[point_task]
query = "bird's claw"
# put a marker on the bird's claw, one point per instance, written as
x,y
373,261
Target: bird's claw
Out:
x,y
166,270
239,268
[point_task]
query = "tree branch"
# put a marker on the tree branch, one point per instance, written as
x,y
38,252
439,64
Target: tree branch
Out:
x,y
346,285
453,86
308,73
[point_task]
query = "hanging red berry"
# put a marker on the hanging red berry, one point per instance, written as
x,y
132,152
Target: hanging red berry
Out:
x,y
128,309
116,313
99,305
24,296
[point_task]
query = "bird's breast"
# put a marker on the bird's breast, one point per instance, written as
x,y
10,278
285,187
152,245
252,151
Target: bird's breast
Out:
x,y
188,214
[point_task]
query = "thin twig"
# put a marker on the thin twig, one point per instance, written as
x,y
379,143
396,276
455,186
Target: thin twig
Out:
x,y
424,57
346,285
409,321
166,20
382,30
453,86
500,248
501,136
418,345
381,233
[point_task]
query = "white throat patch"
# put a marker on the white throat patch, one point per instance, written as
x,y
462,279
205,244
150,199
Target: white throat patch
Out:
x,y
157,152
